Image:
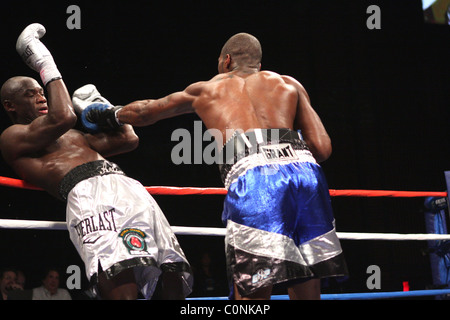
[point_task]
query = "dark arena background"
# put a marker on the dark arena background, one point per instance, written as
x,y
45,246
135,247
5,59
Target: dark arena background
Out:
x,y
383,94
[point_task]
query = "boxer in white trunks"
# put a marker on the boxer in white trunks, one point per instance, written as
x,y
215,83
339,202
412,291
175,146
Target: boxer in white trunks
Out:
x,y
118,229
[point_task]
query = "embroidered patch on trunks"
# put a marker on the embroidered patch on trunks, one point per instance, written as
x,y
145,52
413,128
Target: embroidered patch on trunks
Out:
x,y
134,240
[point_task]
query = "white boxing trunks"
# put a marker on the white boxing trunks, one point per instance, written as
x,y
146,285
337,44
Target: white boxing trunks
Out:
x,y
115,224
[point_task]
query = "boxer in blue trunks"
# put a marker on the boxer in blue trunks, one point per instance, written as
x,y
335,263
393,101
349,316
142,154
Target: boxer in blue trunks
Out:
x,y
280,225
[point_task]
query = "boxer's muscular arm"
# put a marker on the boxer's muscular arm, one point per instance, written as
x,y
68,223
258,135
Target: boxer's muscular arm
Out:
x,y
308,121
19,139
147,112
114,142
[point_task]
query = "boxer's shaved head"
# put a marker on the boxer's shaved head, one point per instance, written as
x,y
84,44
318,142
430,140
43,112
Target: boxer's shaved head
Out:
x,y
11,88
244,49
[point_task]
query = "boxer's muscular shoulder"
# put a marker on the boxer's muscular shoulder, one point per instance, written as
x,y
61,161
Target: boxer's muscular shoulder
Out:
x,y
8,142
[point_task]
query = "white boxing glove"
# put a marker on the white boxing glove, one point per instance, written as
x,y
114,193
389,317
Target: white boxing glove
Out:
x,y
85,96
35,54
96,113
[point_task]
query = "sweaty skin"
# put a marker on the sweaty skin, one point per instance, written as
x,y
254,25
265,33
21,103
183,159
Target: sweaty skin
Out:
x,y
243,99
41,145
42,148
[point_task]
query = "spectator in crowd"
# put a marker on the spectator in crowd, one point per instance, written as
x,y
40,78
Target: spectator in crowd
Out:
x,y
50,289
8,278
207,283
19,291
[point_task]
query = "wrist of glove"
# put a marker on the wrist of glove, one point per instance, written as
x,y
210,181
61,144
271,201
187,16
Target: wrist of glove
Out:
x,y
49,72
35,54
100,117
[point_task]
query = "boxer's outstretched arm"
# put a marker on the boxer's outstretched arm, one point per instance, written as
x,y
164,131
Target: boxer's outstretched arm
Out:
x,y
146,112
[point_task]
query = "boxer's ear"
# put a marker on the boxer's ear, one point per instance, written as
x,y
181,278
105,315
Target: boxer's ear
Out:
x,y
227,63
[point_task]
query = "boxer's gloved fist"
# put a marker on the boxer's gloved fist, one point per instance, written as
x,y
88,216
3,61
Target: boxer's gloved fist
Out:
x,y
86,95
100,117
35,53
97,118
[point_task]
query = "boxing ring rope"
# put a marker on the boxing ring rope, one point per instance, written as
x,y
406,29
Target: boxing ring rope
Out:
x,y
208,231
176,191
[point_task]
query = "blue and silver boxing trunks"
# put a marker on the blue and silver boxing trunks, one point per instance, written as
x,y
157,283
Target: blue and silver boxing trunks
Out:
x,y
277,212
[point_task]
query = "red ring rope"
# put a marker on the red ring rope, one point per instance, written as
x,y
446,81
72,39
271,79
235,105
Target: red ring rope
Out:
x,y
16,183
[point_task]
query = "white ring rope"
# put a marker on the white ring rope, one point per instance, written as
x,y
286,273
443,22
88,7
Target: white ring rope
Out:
x,y
202,231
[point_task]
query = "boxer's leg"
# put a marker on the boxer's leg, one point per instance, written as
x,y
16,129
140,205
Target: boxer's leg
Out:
x,y
172,286
121,287
261,294
308,290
